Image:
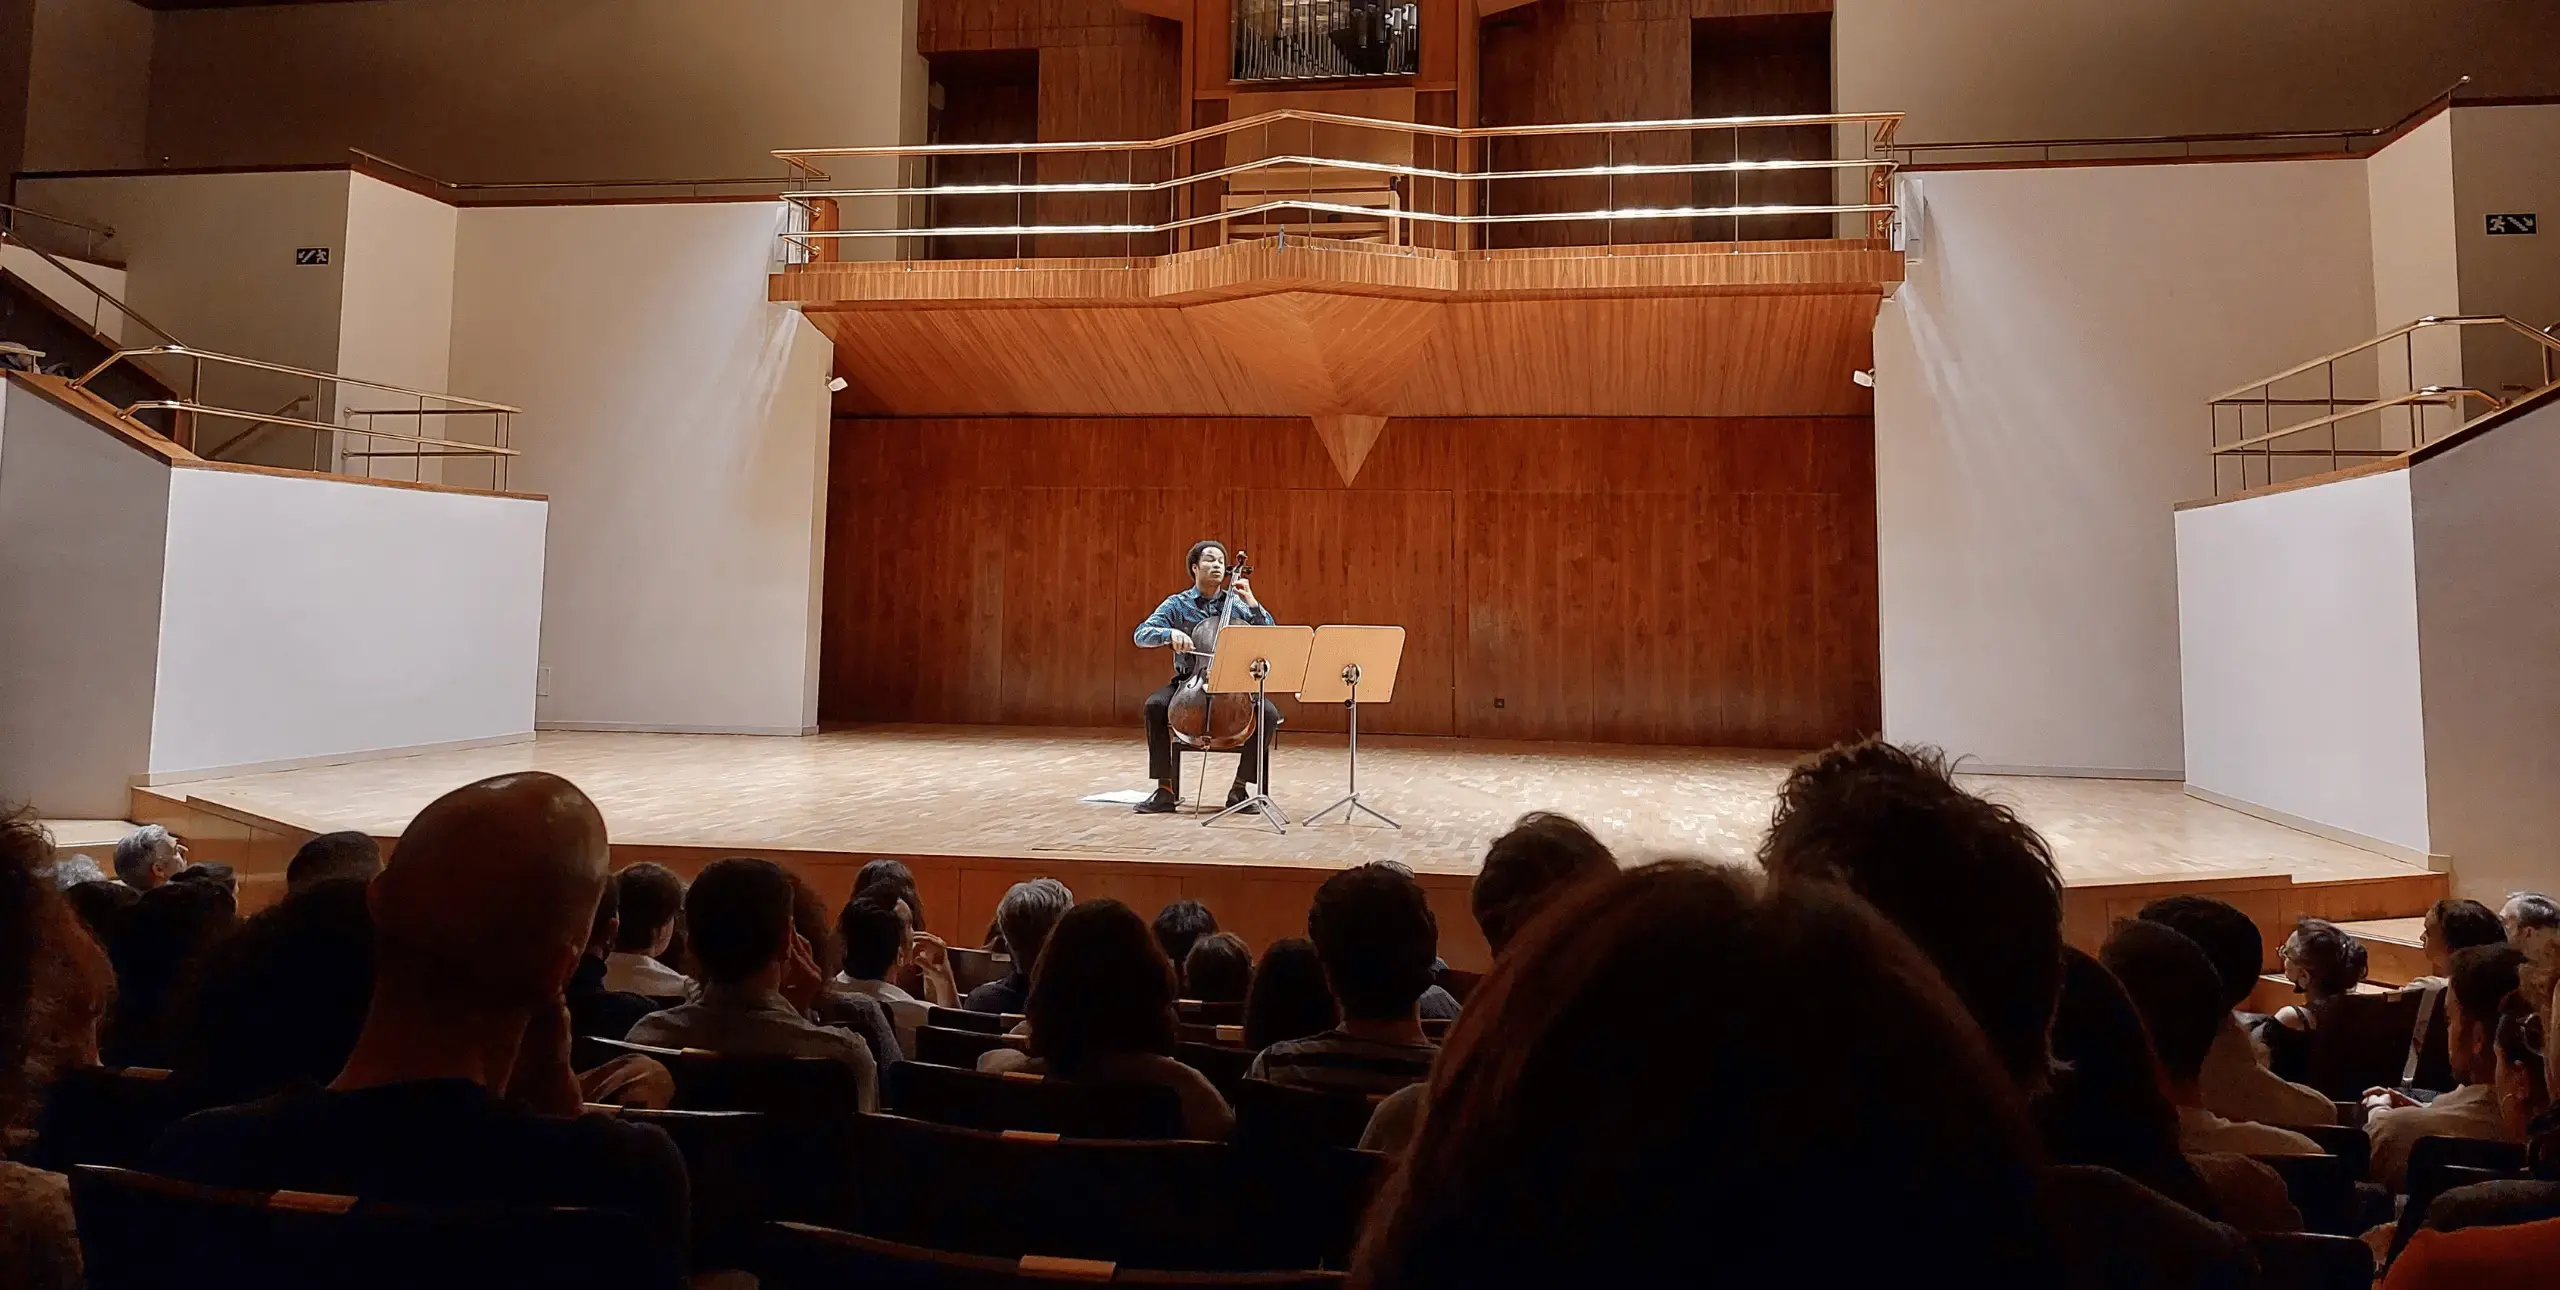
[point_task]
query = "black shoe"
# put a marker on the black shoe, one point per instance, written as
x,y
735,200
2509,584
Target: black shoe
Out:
x,y
1236,796
1160,802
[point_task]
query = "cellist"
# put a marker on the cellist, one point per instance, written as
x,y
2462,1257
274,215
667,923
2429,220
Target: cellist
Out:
x,y
1188,621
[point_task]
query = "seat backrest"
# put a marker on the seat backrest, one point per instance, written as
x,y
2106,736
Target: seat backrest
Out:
x,y
1205,1013
2347,1144
2312,1261
1149,1204
1031,1103
143,1232
1269,1114
792,1087
2362,1042
2438,1164
944,1046
973,968
2323,1188
795,1256
746,1169
1224,1066
1219,1033
108,1115
989,1023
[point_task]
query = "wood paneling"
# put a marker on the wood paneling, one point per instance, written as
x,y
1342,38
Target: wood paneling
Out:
x,y
1703,581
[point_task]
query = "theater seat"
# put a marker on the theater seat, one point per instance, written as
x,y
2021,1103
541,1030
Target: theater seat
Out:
x,y
989,1023
1203,1013
143,1232
2323,1188
746,1169
1032,1103
795,1087
1276,1115
109,1115
1224,1066
943,1046
1154,1204
2310,1261
794,1256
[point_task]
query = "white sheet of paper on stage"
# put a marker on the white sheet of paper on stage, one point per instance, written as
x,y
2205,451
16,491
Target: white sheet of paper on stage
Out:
x,y
1378,651
1117,797
1239,644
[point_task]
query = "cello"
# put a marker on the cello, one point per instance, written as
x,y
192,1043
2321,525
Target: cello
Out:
x,y
1205,722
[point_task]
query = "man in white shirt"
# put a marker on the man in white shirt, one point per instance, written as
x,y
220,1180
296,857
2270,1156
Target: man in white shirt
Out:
x,y
652,896
2182,1001
875,947
2482,978
2235,1080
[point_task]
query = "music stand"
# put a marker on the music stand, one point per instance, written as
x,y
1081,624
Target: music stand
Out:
x,y
1352,666
1258,660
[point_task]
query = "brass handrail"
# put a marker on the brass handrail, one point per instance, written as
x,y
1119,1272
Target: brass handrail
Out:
x,y
1337,208
49,217
2433,396
1339,163
259,364
2240,393
1886,121
94,289
548,185
203,410
2440,101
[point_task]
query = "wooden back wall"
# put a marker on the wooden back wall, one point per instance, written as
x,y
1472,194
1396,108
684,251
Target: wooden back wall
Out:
x,y
1628,580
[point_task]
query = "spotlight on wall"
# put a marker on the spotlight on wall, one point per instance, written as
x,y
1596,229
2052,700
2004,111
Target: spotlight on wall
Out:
x,y
1866,378
836,386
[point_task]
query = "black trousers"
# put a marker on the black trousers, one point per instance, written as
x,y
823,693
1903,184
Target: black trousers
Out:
x,y
1164,767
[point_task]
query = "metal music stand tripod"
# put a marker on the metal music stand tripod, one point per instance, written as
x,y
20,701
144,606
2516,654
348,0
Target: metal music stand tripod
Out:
x,y
1342,661
1259,661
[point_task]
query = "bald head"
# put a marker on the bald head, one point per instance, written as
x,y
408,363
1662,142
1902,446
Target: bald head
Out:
x,y
488,895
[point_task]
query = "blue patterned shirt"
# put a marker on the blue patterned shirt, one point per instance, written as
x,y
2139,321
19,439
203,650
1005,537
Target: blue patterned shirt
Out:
x,y
1185,611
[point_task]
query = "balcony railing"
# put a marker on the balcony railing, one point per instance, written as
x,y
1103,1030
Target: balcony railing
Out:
x,y
1295,174
357,436
2384,398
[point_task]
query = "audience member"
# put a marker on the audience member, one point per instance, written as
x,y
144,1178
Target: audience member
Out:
x,y
875,947
2105,1104
1554,1154
1289,998
2452,926
596,1010
2325,965
2235,1083
822,1000
160,938
1528,867
148,857
1376,938
2528,1073
1219,969
2519,1257
1942,865
281,1001
72,870
332,857
752,960
652,899
459,1091
1023,919
2482,978
894,881
102,907
1178,927
2181,999
1101,1010
2529,914
54,983
213,875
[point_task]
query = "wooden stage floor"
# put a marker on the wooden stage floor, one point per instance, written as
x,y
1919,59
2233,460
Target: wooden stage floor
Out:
x,y
1009,791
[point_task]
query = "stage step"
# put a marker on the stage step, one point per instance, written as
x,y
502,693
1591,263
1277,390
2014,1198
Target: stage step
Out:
x,y
95,839
2391,946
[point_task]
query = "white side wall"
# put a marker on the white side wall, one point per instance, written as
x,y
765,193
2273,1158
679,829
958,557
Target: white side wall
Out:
x,y
83,525
2416,271
2506,159
312,618
59,287
2041,380
396,324
2489,642
2298,638
679,424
